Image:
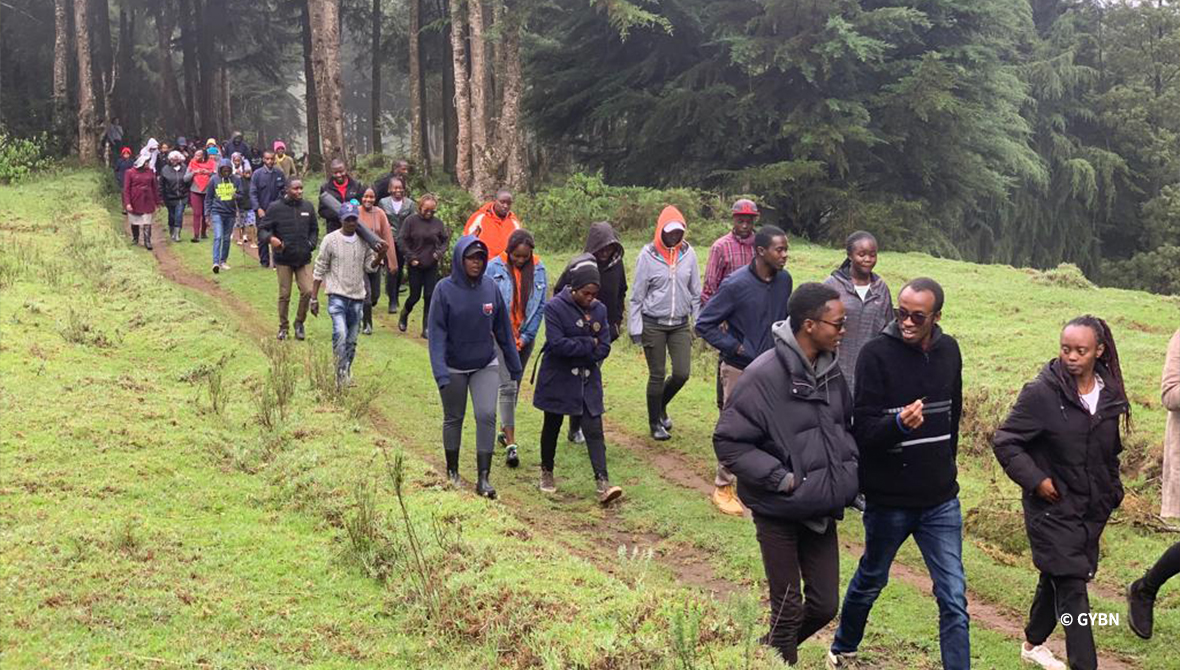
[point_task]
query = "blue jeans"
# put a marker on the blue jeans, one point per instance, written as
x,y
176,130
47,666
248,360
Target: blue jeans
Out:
x,y
938,531
346,325
223,228
176,215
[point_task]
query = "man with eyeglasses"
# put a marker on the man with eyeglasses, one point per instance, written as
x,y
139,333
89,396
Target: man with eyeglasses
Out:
x,y
750,300
909,398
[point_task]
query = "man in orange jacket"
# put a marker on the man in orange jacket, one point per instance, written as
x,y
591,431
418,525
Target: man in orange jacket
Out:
x,y
493,223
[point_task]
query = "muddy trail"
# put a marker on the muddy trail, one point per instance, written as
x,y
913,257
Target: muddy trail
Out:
x,y
690,565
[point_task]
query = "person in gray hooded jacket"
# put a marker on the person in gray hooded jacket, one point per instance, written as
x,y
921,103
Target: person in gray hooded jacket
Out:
x,y
866,299
786,434
666,294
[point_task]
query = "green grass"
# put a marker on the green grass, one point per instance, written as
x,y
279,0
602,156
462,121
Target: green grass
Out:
x,y
135,524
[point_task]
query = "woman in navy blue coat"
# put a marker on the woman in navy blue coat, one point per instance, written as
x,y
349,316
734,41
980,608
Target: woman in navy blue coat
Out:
x,y
577,340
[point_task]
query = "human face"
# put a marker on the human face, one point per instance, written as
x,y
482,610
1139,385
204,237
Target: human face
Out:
x,y
268,159
165,148
225,171
864,258
521,255
402,168
348,226
281,152
368,199
828,331
503,205
743,225
236,159
429,207
339,174
175,160
914,305
584,297
775,254
672,239
397,189
604,254
1079,350
473,265
295,190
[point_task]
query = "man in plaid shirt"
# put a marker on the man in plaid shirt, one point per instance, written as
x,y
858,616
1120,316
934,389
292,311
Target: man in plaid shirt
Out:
x,y
732,251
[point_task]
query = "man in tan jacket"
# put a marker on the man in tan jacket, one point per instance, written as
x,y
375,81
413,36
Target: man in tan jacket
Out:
x,y
1170,392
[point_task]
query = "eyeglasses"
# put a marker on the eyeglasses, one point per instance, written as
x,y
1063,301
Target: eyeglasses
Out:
x,y
903,314
838,325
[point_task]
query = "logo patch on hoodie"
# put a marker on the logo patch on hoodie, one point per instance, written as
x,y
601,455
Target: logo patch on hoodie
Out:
x,y
487,309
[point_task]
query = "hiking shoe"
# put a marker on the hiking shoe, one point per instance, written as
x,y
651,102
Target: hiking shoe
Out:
x,y
401,323
195,240
576,436
1140,609
393,307
216,268
548,483
512,459
224,266
501,438
844,660
299,330
858,503
282,334
606,492
658,432
426,333
727,501
1040,655
367,330
667,423
204,234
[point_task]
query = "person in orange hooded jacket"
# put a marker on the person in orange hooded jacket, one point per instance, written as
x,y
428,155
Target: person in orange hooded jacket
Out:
x,y
493,223
666,294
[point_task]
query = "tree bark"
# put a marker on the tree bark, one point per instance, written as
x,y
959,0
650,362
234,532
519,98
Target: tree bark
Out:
x,y
510,146
117,89
450,116
325,60
171,107
104,57
88,132
314,149
419,154
480,160
188,42
61,66
462,98
377,55
207,59
223,99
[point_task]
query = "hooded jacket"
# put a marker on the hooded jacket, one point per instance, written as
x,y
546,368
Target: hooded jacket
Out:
x,y
223,194
576,342
467,320
749,307
295,224
501,275
353,190
613,274
1050,434
141,191
786,434
866,318
122,165
901,467
491,229
266,186
237,145
667,281
173,186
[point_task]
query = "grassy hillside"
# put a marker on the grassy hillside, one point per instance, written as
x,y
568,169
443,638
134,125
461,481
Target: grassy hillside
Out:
x,y
141,527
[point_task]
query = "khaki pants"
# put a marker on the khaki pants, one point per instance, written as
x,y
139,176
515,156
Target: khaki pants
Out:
x,y
302,275
729,376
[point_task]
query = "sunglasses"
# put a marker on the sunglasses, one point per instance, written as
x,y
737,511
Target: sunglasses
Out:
x,y
840,325
917,317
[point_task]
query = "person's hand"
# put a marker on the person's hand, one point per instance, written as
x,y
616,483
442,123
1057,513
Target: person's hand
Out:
x,y
382,248
414,262
1047,491
314,307
260,212
276,243
128,208
741,350
911,415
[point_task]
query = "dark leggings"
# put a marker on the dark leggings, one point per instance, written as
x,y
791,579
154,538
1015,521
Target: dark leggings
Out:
x,y
1056,596
1165,568
595,442
422,281
372,295
393,280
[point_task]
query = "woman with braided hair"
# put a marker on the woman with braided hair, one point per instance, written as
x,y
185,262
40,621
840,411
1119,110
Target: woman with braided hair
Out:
x,y
1061,444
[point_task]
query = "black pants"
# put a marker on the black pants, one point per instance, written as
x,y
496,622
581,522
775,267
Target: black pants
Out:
x,y
1165,568
372,295
393,280
595,441
790,553
264,254
422,281
1055,597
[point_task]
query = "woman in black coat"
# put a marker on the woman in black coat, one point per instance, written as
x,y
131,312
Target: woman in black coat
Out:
x,y
1061,443
577,340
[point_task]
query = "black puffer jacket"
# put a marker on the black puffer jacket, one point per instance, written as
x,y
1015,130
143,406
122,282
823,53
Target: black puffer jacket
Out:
x,y
786,417
1050,433
295,224
613,276
173,187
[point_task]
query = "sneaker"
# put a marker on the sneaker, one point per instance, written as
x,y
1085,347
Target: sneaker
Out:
x,y
1040,655
216,269
195,240
666,422
658,432
225,266
512,459
844,660
501,438
253,246
282,334
727,501
548,483
298,330
606,492
1140,608
240,243
204,234
576,436
367,330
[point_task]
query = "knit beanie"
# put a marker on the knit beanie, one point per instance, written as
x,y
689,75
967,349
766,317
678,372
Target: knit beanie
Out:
x,y
583,270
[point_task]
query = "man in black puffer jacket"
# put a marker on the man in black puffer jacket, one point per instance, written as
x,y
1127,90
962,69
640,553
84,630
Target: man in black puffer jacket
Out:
x,y
291,231
785,433
909,397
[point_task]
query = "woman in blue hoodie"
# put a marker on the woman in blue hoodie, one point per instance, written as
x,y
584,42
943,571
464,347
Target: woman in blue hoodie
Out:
x,y
468,320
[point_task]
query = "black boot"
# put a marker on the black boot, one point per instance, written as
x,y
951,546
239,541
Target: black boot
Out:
x,y
453,468
655,419
147,238
401,322
1140,606
134,234
484,465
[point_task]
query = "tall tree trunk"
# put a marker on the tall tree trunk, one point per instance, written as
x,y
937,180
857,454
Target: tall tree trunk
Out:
x,y
207,58
226,111
104,57
378,56
314,147
419,154
325,61
88,132
510,145
118,91
171,107
188,41
480,160
462,98
450,115
61,67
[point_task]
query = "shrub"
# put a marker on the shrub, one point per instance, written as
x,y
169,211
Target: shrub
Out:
x,y
1155,271
21,157
1066,275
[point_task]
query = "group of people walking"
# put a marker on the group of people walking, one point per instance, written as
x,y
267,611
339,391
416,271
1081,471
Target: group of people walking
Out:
x,y
830,395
